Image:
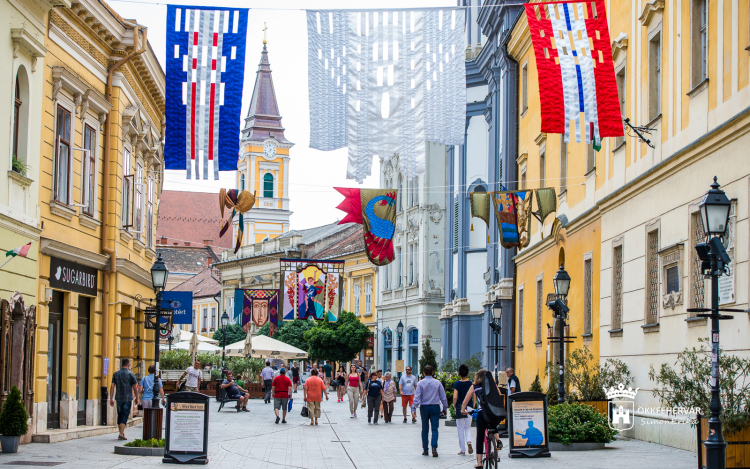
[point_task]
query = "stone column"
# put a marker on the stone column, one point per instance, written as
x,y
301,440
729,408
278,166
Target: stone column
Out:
x,y
68,402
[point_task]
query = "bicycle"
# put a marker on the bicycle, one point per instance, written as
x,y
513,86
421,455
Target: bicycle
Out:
x,y
492,446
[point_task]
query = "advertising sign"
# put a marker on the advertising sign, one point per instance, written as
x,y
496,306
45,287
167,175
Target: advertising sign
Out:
x,y
69,276
527,425
186,439
182,304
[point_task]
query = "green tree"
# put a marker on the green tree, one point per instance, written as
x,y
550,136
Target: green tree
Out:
x,y
291,332
429,357
338,341
536,385
14,419
234,333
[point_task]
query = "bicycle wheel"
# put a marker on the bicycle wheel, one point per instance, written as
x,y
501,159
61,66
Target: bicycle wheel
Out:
x,y
490,456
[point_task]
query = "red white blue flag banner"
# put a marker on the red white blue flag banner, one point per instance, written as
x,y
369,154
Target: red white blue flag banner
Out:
x,y
205,76
577,86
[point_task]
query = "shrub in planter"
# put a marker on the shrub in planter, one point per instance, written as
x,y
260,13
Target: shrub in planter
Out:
x,y
578,423
13,421
152,443
536,385
175,359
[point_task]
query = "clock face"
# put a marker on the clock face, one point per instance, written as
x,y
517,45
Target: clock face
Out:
x,y
269,150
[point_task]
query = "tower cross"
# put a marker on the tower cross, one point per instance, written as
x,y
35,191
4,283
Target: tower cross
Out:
x,y
264,32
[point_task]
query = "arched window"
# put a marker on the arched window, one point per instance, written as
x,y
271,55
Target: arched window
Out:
x,y
242,182
268,185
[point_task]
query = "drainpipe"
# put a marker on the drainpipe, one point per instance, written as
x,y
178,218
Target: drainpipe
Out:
x,y
105,191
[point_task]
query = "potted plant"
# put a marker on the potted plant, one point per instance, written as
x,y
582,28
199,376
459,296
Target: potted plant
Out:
x,y
13,421
19,166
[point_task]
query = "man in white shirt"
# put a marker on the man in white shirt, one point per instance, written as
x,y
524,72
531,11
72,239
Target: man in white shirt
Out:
x,y
267,376
194,377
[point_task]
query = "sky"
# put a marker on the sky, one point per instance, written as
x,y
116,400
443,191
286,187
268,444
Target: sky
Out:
x,y
313,173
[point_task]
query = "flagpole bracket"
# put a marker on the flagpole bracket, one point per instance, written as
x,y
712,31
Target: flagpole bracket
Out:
x,y
639,132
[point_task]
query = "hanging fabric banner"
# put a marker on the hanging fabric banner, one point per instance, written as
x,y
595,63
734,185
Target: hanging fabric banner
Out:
x,y
311,289
575,69
546,200
257,307
480,206
240,202
375,210
513,214
205,76
383,82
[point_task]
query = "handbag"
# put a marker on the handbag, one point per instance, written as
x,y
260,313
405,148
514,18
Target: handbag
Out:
x,y
290,405
364,404
304,412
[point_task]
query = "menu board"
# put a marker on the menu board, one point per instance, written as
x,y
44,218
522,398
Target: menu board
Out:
x,y
186,421
528,423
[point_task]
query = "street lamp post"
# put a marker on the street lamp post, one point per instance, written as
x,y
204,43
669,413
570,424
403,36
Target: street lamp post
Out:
x,y
714,210
224,324
495,324
159,274
400,332
560,311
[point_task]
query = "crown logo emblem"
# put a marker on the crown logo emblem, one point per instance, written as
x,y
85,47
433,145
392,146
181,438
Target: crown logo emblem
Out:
x,y
620,392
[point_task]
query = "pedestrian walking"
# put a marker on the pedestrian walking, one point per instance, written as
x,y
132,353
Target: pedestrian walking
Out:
x,y
475,392
314,390
328,370
353,390
374,397
408,385
430,394
235,391
282,388
124,391
341,388
193,373
267,376
149,385
389,397
295,376
463,422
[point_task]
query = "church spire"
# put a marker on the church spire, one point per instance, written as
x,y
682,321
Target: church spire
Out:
x,y
263,119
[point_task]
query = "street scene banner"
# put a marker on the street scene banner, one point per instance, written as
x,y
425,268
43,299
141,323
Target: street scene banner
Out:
x,y
311,289
383,82
575,70
205,75
182,304
375,210
257,307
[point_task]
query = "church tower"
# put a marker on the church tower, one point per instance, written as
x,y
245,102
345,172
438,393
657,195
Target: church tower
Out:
x,y
263,164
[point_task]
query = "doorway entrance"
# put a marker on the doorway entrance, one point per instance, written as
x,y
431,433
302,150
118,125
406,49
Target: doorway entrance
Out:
x,y
54,359
82,358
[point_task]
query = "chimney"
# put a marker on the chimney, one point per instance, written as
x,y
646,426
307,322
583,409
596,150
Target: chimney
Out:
x,y
187,243
207,242
209,260
164,240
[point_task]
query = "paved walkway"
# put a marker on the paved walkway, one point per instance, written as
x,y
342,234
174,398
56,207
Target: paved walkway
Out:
x,y
253,440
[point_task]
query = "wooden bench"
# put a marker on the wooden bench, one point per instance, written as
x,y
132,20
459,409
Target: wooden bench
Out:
x,y
224,398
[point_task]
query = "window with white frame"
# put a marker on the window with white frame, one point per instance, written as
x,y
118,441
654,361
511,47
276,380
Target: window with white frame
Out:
x,y
520,317
699,41
138,204
205,319
539,310
150,214
195,317
368,298
542,168
654,76
525,88
127,189
588,296
242,181
398,268
385,274
617,270
400,195
652,277
356,299
89,169
63,156
411,264
345,285
563,164
213,318
622,91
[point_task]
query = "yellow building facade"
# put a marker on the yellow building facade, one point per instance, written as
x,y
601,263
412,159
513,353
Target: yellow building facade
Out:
x,y
359,297
263,166
100,180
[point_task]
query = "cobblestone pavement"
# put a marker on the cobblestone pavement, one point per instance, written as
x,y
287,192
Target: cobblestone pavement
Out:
x,y
253,440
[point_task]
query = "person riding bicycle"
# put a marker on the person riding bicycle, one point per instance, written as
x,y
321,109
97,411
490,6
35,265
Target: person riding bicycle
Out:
x,y
484,422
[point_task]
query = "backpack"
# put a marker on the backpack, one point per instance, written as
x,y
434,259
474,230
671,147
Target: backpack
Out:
x,y
491,400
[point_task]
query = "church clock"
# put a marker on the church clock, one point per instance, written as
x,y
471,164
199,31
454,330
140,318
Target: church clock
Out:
x,y
269,150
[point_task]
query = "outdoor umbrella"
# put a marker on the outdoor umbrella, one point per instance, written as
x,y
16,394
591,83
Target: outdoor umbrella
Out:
x,y
266,347
185,336
201,347
193,348
236,349
247,348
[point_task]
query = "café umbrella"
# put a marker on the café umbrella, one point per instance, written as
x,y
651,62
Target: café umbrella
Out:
x,y
266,347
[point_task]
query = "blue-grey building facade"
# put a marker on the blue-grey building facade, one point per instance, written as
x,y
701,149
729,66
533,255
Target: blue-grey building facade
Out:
x,y
479,271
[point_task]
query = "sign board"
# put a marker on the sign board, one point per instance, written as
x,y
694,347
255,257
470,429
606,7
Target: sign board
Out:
x,y
527,425
182,304
186,439
399,366
69,276
368,352
726,281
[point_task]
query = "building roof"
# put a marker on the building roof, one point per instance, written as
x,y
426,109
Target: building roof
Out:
x,y
203,285
312,235
354,242
263,119
191,217
188,260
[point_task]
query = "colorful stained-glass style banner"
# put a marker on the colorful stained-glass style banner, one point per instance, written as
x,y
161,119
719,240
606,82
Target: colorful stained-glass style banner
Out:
x,y
375,210
311,289
257,307
575,70
205,76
